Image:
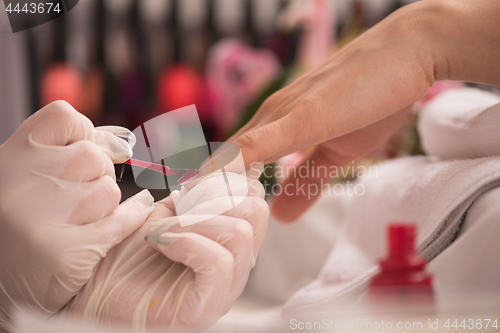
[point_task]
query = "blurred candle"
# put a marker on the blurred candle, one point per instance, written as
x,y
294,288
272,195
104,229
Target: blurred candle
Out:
x,y
179,86
61,81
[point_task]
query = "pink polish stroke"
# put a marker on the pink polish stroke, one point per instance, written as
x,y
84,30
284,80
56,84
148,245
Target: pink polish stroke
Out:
x,y
187,174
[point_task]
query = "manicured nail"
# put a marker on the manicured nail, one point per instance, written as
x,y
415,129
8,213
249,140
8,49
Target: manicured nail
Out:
x,y
167,238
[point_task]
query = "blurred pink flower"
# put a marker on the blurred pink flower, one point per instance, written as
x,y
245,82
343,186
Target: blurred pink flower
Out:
x,y
235,75
435,90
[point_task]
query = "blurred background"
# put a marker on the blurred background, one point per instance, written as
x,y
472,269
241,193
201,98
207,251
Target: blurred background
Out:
x,y
123,62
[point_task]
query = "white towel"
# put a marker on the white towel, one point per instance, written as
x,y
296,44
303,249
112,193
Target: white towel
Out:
x,y
433,193
461,123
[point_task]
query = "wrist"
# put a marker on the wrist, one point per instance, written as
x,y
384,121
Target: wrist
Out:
x,y
462,39
423,27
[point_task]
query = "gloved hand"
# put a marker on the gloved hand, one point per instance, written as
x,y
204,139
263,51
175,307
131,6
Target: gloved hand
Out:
x,y
59,208
186,278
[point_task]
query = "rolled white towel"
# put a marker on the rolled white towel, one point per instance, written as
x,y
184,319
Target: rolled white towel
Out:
x,y
461,123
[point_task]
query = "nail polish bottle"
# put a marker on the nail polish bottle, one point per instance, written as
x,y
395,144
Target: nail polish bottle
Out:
x,y
403,282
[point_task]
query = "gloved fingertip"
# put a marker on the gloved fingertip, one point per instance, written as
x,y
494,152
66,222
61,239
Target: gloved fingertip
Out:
x,y
253,260
121,151
124,153
118,149
262,204
159,228
121,132
256,169
145,198
152,238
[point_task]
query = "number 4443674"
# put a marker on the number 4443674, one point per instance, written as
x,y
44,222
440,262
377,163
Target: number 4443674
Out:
x,y
472,324
33,8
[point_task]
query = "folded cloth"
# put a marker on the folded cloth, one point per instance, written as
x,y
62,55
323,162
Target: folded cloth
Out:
x,y
433,193
461,274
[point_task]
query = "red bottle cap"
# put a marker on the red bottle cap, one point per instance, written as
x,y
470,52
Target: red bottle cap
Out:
x,y
403,266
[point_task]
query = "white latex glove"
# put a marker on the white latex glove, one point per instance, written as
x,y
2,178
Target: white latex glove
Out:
x,y
189,276
59,208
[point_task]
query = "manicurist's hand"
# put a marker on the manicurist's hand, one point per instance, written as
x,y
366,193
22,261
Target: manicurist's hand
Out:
x,y
187,277
59,208
354,101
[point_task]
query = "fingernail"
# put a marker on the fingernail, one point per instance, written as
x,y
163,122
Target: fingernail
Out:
x,y
167,238
157,229
146,198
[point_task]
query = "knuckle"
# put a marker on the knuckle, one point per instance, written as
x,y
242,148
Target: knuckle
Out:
x,y
62,110
244,228
65,113
90,153
270,102
112,193
93,154
226,259
87,147
309,103
247,140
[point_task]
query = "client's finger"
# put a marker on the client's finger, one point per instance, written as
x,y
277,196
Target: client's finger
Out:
x,y
300,193
293,202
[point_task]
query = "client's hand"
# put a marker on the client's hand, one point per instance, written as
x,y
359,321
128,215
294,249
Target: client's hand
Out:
x,y
354,101
186,277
